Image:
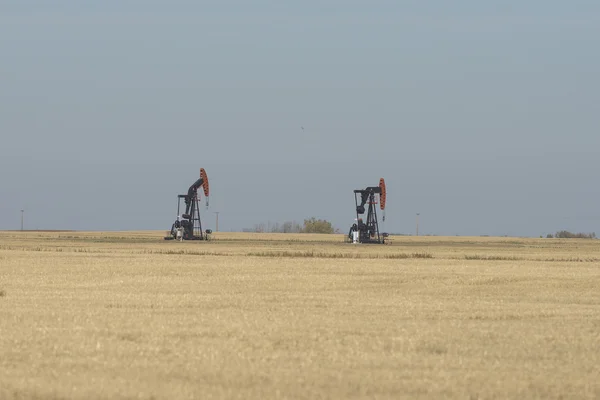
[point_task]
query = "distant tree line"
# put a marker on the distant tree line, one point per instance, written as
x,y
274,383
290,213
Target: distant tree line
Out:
x,y
314,225
285,227
571,235
311,225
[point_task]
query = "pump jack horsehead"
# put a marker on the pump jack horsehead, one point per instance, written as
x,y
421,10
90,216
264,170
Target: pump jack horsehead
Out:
x,y
188,225
368,232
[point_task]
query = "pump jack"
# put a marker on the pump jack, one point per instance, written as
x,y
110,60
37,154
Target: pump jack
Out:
x,y
368,232
188,225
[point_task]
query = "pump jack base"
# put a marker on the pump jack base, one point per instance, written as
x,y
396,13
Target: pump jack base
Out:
x,y
193,238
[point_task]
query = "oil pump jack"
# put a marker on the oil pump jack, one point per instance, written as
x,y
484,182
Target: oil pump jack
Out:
x,y
368,232
188,225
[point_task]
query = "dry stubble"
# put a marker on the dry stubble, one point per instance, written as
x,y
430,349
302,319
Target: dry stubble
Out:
x,y
125,315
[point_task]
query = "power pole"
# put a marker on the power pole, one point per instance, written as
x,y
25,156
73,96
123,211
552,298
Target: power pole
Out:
x,y
217,228
22,211
418,224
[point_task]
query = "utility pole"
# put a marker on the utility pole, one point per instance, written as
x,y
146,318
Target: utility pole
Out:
x,y
22,211
217,228
418,224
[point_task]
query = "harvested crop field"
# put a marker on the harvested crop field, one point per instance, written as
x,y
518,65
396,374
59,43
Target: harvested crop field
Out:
x,y
98,315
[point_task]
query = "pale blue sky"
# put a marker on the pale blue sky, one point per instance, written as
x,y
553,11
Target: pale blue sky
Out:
x,y
481,116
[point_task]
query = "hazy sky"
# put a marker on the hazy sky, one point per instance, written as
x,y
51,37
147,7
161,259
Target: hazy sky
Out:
x,y
482,116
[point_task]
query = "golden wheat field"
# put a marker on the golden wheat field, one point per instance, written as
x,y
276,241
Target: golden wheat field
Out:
x,y
127,315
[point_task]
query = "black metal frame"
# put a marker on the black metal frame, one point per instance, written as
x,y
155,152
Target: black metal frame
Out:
x,y
192,227
367,232
189,221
